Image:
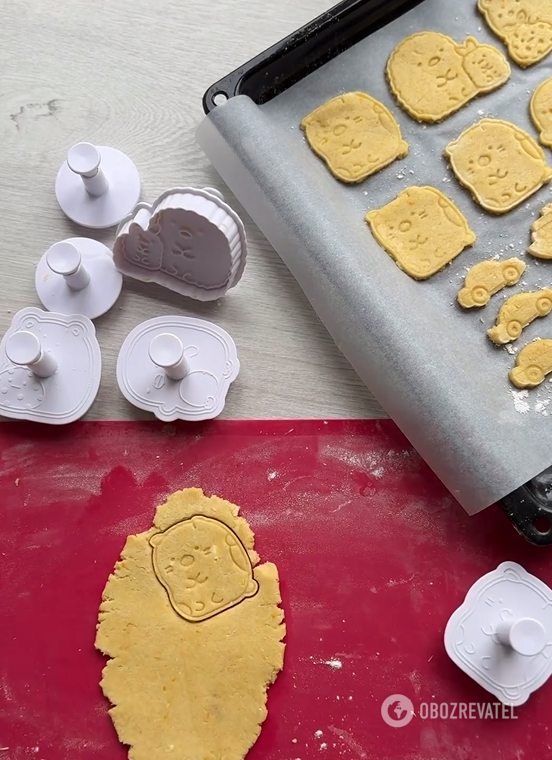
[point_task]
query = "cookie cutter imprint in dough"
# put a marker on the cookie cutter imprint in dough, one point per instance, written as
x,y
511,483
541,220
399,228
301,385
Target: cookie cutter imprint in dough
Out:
x,y
203,566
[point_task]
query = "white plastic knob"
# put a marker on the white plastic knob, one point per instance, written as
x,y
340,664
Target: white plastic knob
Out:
x,y
23,349
65,259
84,159
525,636
167,352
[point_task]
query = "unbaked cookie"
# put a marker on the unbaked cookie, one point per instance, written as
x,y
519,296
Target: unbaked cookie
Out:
x,y
487,278
193,627
499,163
541,111
432,76
355,135
517,313
541,235
533,363
422,230
525,26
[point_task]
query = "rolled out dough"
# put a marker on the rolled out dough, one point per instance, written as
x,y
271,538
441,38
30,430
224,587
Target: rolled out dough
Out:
x,y
194,630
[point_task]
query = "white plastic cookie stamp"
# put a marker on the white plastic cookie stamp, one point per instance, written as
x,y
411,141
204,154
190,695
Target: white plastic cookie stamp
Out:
x,y
188,240
177,368
501,636
78,276
50,367
97,186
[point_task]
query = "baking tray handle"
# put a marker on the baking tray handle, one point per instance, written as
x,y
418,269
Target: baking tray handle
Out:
x,y
291,59
530,509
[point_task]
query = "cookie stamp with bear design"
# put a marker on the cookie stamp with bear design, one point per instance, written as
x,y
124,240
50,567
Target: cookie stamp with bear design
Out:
x,y
422,230
355,135
432,76
499,163
525,27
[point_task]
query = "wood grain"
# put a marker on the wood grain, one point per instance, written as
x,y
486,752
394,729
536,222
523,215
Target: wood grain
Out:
x,y
131,74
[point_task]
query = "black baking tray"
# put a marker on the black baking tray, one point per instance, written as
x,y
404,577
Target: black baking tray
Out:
x,y
279,67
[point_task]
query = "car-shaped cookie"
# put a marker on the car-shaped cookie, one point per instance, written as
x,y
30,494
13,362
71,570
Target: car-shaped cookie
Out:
x,y
487,278
533,363
518,312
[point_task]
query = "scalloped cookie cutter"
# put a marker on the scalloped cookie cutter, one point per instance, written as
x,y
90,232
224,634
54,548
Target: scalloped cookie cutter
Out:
x,y
501,635
178,368
50,367
78,276
188,240
97,186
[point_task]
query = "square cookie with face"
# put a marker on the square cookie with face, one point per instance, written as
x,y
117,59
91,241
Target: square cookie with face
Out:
x,y
499,163
422,230
355,135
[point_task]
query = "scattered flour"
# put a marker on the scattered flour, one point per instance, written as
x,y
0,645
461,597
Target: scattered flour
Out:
x,y
520,401
335,664
319,734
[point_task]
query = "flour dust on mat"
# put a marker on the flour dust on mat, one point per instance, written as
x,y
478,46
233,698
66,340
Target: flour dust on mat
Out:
x,y
193,627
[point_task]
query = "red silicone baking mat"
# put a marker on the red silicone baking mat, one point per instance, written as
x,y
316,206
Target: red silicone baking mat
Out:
x,y
374,555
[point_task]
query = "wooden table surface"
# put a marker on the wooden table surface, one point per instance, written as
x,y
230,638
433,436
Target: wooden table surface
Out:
x,y
131,74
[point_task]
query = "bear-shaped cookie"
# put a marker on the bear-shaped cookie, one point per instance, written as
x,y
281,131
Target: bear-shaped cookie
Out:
x,y
499,163
541,111
432,76
422,230
525,26
355,135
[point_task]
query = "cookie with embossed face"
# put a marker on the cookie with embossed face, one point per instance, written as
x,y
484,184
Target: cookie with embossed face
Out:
x,y
499,163
525,26
541,111
432,76
422,230
355,135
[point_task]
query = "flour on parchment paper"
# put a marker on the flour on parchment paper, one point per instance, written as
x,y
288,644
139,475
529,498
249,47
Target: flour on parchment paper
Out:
x,y
524,403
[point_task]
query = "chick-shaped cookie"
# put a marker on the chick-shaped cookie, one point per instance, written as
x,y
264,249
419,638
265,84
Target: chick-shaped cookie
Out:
x,y
432,76
355,135
499,163
517,312
533,363
541,111
541,235
422,230
487,278
525,26
203,566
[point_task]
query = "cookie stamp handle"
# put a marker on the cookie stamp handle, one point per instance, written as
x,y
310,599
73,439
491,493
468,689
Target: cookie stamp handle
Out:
x,y
167,352
23,349
84,159
525,636
65,259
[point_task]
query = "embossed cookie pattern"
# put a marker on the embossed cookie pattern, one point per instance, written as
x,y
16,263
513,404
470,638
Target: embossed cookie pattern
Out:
x,y
422,230
203,566
541,111
541,235
517,313
533,363
355,135
487,278
432,76
499,163
525,26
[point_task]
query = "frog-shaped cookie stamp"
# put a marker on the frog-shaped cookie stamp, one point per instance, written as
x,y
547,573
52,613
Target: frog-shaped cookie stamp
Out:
x,y
50,367
501,635
203,566
189,240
